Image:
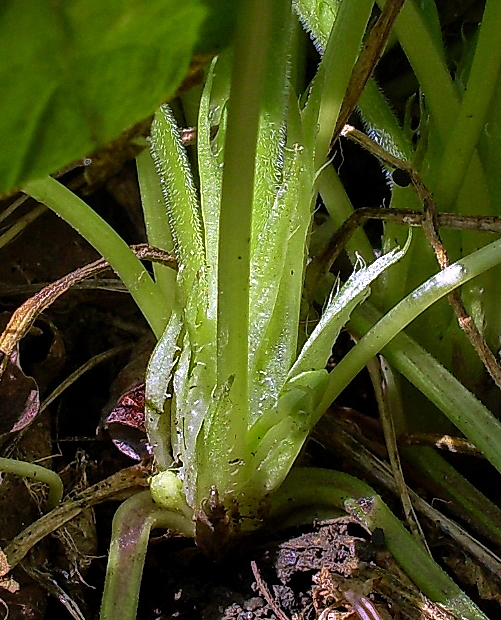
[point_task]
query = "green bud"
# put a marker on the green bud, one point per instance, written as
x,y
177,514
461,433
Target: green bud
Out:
x,y
166,490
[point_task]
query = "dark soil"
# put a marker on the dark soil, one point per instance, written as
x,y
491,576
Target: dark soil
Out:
x,y
294,578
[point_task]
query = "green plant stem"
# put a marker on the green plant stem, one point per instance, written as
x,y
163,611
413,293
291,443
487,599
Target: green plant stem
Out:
x,y
37,473
180,199
108,243
426,55
470,118
157,224
329,87
463,499
253,40
438,385
399,317
210,174
132,524
311,487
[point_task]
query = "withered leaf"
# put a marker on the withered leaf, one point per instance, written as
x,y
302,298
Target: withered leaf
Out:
x,y
19,397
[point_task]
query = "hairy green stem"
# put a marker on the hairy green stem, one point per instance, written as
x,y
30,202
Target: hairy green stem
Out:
x,y
38,474
108,243
180,201
157,224
330,84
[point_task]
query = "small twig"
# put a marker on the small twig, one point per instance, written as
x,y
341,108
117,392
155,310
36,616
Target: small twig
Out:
x,y
466,323
457,445
320,265
266,593
363,140
126,480
381,383
24,317
372,51
81,370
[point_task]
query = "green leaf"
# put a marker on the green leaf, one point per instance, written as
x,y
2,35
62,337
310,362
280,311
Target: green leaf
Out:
x,y
157,405
317,16
317,348
212,117
74,75
277,436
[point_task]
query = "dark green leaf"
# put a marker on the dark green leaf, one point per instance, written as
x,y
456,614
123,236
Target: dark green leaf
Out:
x,y
74,74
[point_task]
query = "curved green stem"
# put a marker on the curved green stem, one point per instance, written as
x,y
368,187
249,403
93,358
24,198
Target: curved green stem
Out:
x,y
391,324
439,386
108,243
406,311
320,487
37,473
132,524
